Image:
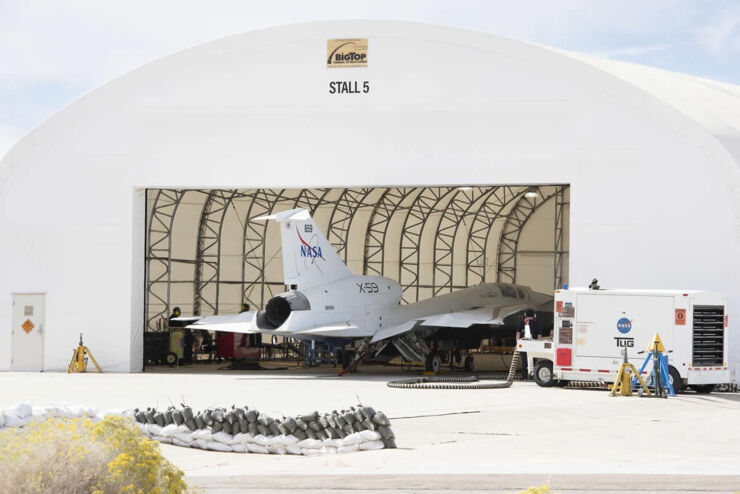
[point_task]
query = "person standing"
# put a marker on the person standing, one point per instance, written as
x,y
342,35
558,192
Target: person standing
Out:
x,y
528,329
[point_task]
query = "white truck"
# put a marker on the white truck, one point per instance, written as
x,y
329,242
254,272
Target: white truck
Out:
x,y
592,327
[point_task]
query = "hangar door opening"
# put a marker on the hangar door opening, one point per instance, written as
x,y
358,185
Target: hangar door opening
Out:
x,y
206,254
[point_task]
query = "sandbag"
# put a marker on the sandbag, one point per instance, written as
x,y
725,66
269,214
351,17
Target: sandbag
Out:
x,y
239,438
349,449
200,444
203,434
262,440
390,443
354,438
169,430
329,450
217,446
20,410
222,437
12,420
370,435
162,439
183,437
293,449
239,448
182,444
311,452
386,432
380,419
333,443
154,429
257,448
371,445
227,428
310,444
277,449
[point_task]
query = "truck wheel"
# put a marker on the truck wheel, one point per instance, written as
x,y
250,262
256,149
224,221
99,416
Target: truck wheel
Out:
x,y
703,389
675,379
432,363
171,359
543,374
469,363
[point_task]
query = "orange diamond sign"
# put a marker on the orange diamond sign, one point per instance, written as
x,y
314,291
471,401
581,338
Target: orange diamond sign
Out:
x,y
27,326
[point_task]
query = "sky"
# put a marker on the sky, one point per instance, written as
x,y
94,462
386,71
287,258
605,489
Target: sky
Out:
x,y
53,52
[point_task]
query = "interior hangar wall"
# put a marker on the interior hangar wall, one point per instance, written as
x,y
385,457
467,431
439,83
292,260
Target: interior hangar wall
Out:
x,y
654,195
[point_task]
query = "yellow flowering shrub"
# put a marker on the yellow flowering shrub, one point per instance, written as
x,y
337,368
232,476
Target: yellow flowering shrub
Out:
x,y
543,489
66,456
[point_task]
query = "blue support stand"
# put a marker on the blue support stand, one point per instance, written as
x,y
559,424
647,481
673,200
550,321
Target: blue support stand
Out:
x,y
659,374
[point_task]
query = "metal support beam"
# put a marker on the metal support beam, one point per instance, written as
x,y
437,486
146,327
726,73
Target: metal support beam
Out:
x,y
208,253
558,241
159,254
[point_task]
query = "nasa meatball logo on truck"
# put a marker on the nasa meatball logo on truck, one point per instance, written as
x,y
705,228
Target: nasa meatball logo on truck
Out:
x,y
624,326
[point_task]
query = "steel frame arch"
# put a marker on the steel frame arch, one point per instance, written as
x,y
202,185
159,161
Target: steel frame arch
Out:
x,y
508,243
253,245
444,242
349,201
159,249
483,221
375,236
409,249
209,240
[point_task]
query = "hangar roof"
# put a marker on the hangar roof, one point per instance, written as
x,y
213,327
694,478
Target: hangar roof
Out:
x,y
712,104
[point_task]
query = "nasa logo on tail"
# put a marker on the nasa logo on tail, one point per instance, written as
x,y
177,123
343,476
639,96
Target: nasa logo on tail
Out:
x,y
310,252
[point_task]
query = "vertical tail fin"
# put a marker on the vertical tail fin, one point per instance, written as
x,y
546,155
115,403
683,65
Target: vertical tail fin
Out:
x,y
308,257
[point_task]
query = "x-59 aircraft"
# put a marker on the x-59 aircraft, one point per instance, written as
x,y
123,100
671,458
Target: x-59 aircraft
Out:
x,y
326,302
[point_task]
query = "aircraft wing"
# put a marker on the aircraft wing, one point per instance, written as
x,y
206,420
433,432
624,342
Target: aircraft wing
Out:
x,y
490,315
244,322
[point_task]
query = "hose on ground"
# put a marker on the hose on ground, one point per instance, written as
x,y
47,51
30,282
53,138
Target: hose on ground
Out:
x,y
469,382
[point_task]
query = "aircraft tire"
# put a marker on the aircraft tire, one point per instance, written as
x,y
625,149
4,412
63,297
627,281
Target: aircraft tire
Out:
x,y
469,363
543,374
432,363
171,359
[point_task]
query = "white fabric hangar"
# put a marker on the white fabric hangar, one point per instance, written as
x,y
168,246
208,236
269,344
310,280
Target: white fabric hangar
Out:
x,y
650,157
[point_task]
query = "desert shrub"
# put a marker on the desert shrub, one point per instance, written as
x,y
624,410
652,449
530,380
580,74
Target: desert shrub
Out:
x,y
543,489
76,456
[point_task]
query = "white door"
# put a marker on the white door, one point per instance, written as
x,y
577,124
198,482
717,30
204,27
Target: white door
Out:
x,y
28,332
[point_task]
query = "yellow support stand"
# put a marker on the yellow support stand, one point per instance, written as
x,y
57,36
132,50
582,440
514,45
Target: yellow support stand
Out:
x,y
79,359
623,381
